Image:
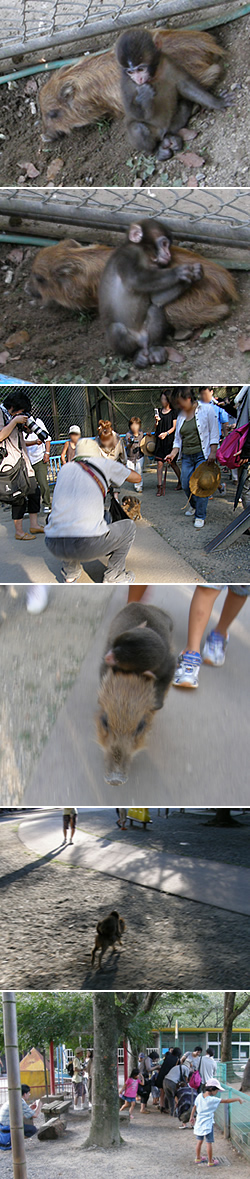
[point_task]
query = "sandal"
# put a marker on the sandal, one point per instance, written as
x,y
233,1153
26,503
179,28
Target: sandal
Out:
x,y
159,490
25,536
39,528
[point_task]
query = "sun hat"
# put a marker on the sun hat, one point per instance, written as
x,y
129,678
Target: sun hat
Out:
x,y
74,430
87,448
214,1084
205,479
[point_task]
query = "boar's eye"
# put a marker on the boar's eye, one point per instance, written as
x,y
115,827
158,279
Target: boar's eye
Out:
x,y
53,114
40,278
140,727
104,722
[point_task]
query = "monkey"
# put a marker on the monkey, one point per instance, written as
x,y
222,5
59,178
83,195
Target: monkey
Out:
x,y
136,284
109,931
158,95
68,274
139,643
132,507
77,95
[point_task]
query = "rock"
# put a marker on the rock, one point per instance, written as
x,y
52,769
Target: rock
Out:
x,y
53,1129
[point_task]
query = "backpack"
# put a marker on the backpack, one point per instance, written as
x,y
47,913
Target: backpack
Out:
x,y
195,1080
229,452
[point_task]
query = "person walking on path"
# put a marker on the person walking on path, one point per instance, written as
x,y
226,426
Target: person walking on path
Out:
x,y
14,414
204,1109
129,1092
215,646
196,439
69,821
165,426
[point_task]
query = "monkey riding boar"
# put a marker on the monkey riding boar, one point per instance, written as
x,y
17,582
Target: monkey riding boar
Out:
x,y
136,670
109,931
158,95
78,95
148,284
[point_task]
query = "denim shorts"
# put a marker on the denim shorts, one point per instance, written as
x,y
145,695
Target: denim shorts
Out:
x,y
209,1137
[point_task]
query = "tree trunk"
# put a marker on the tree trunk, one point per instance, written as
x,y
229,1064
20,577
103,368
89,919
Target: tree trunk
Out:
x,y
226,1039
104,1130
222,818
245,1085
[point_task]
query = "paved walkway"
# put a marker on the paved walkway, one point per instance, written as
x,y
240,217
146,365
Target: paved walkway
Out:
x,y
221,885
151,558
198,750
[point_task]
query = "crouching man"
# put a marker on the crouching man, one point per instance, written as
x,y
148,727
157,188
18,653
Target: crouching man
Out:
x,y
77,530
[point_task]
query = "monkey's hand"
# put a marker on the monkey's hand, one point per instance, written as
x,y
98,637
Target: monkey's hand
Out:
x,y
188,272
225,99
144,99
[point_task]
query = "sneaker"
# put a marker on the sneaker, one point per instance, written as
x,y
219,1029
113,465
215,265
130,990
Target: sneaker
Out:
x,y
37,599
121,579
198,523
214,650
187,671
190,512
71,577
222,489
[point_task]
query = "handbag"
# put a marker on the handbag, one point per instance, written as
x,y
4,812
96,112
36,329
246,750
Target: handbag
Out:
x,y
229,452
14,481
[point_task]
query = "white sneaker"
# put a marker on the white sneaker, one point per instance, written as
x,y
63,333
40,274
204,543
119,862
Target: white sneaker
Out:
x,y
190,512
198,523
214,650
187,671
37,599
121,579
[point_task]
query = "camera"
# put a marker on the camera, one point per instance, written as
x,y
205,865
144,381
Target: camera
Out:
x,y
33,428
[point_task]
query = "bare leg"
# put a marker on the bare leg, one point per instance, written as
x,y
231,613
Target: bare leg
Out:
x,y
177,471
124,1106
201,606
136,592
232,606
198,1150
209,1152
159,476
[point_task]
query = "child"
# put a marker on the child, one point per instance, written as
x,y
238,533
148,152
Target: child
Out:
x,y
205,1106
133,440
129,1091
69,448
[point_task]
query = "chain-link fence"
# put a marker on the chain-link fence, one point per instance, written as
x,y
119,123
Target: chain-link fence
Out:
x,y
59,407
28,27
236,1123
216,217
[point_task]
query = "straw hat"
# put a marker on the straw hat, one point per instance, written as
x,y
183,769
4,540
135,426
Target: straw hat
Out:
x,y
147,444
205,479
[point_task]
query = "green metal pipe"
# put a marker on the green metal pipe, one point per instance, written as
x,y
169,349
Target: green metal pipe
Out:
x,y
20,239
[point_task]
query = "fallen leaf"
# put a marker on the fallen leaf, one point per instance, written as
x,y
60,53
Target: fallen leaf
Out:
x,y
190,158
15,256
187,133
54,167
4,356
31,86
244,343
30,169
174,355
16,338
21,179
192,182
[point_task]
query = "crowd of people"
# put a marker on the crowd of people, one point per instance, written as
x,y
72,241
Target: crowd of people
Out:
x,y
181,1085
82,525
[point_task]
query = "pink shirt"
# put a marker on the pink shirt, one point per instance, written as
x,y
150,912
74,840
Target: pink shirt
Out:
x,y
130,1089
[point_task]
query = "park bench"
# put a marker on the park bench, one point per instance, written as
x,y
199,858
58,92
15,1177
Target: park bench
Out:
x,y
139,815
56,1108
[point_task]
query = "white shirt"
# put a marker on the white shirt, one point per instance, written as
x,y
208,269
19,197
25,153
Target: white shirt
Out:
x,y
244,417
208,1068
207,425
206,1108
78,504
5,1112
37,451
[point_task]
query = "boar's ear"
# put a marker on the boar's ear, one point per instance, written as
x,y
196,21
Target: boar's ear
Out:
x,y
67,91
69,242
149,675
110,658
141,625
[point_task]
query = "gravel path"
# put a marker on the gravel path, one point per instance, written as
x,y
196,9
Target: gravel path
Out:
x,y
49,913
151,1137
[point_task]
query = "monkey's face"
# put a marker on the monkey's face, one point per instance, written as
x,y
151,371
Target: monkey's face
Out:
x,y
139,74
163,251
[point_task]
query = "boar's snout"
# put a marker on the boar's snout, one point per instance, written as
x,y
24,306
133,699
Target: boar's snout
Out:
x,y
115,779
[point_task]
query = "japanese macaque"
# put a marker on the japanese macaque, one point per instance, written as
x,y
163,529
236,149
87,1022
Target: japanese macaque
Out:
x,y
132,507
136,285
136,670
77,95
109,931
158,95
68,274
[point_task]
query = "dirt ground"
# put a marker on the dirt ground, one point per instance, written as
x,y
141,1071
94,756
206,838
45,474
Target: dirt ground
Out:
x,y
151,1137
49,913
35,690
69,346
101,154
